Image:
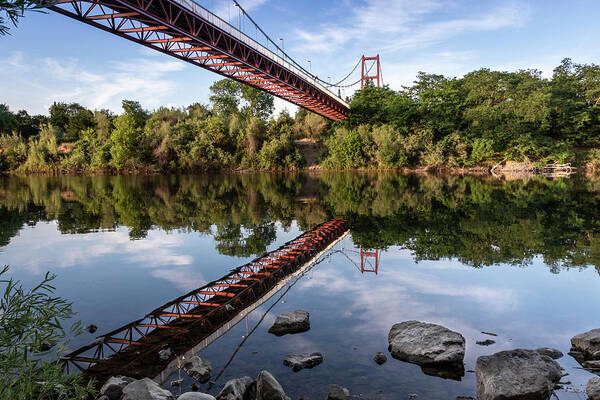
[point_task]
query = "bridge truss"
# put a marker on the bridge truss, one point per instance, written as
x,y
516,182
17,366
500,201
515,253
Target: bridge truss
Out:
x,y
185,30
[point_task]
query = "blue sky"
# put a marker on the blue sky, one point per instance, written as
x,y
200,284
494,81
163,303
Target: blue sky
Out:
x,y
50,57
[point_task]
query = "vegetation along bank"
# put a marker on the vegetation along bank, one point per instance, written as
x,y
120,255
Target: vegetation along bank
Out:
x,y
480,120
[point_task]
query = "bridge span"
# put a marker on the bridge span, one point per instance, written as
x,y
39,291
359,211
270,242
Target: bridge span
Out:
x,y
185,30
193,321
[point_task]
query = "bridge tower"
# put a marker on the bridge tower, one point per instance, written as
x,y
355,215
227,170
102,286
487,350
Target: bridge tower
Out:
x,y
369,261
364,76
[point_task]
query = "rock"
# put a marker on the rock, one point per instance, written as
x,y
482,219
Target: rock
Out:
x,y
145,389
165,354
595,365
91,328
291,322
380,358
486,342
550,352
237,389
464,398
267,388
423,343
195,396
593,389
489,333
229,307
516,374
338,393
103,398
300,361
198,368
176,382
587,343
195,387
113,387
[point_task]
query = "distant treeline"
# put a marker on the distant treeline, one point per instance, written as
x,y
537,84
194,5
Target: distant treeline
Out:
x,y
482,118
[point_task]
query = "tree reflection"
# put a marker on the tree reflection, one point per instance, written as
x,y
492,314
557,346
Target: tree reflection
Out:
x,y
478,221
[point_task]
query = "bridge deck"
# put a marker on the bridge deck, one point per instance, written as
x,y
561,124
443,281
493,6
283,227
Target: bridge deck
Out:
x,y
183,323
187,31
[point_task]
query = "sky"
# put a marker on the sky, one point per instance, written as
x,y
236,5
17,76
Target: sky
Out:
x,y
50,57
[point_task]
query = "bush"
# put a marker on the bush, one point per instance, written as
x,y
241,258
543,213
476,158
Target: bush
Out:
x,y
279,152
389,151
43,150
345,150
13,152
31,321
482,150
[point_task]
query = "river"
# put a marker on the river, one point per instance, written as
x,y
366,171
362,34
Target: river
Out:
x,y
517,258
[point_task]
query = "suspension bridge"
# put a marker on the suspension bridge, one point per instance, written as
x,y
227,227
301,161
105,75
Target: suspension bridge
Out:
x,y
185,30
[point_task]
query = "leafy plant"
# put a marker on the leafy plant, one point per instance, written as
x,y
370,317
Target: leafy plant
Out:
x,y
32,332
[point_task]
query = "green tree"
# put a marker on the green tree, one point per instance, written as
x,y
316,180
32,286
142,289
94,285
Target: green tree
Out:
x,y
13,10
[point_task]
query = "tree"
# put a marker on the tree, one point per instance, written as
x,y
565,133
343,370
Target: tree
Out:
x,y
125,139
228,95
70,119
8,120
13,10
225,98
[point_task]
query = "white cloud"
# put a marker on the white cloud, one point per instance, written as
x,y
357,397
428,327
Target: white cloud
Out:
x,y
147,80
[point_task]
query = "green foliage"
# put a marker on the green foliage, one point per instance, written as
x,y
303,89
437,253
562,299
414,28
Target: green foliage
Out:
x,y
125,139
345,149
31,331
13,152
279,153
13,10
43,151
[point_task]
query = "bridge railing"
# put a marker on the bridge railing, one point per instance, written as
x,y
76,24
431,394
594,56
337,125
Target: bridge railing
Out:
x,y
227,27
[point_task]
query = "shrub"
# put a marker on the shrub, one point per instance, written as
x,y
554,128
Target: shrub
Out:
x,y
31,322
345,150
279,152
482,150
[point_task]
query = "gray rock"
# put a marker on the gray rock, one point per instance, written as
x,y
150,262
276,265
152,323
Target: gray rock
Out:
x,y
195,396
423,343
300,361
229,307
236,389
516,374
486,342
588,342
113,387
165,354
267,388
594,364
380,358
198,368
338,393
145,389
593,389
176,382
291,322
550,352
103,398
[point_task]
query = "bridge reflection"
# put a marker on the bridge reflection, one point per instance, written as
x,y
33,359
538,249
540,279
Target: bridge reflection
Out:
x,y
190,323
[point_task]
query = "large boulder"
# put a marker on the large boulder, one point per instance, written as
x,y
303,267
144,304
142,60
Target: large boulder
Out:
x,y
338,393
423,343
516,375
198,368
550,352
145,389
237,389
113,387
267,388
291,322
593,389
195,396
300,361
588,343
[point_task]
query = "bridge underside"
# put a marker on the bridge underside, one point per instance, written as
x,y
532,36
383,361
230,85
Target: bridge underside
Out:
x,y
188,32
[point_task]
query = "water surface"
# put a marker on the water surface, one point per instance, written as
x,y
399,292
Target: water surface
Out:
x,y
520,259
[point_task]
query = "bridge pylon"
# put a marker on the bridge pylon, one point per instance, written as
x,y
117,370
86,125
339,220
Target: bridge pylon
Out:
x,y
364,76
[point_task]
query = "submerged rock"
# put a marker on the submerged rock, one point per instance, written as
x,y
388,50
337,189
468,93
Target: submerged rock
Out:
x,y
113,387
486,342
301,361
454,371
550,352
237,389
145,389
291,322
593,389
165,354
588,342
267,388
198,368
91,328
195,396
338,393
424,343
380,358
516,374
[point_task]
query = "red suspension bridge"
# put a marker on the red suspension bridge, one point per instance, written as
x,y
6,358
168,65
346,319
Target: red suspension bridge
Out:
x,y
185,30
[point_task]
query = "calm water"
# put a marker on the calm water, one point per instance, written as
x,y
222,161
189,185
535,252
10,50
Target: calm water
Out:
x,y
520,259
